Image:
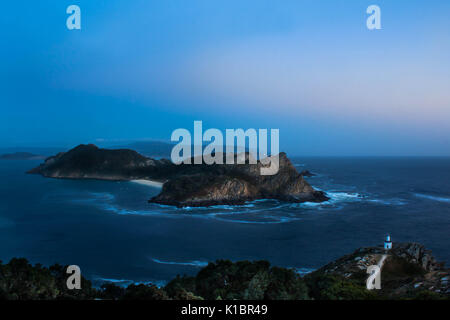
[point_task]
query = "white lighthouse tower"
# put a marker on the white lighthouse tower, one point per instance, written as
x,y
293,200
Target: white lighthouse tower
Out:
x,y
388,243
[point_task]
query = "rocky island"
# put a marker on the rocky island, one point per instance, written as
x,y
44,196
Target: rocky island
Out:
x,y
184,185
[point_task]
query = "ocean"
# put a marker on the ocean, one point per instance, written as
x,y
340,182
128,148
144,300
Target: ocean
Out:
x,y
110,231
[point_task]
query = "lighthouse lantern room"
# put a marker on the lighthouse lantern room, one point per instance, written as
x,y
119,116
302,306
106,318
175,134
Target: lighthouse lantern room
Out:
x,y
388,243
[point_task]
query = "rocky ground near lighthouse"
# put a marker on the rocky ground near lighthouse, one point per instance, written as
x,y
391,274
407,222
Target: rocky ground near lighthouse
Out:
x,y
409,271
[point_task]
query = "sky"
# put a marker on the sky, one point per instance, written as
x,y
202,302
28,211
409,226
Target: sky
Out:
x,y
312,69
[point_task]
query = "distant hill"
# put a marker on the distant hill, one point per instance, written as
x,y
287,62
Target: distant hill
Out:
x,y
154,149
41,151
21,156
160,149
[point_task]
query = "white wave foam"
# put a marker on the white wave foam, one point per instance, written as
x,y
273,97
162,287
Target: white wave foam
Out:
x,y
343,196
220,216
126,282
262,211
388,202
276,220
95,197
123,211
434,198
303,271
346,197
195,263
335,197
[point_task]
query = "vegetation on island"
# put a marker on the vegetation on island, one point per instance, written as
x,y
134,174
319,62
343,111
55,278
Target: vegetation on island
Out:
x,y
223,279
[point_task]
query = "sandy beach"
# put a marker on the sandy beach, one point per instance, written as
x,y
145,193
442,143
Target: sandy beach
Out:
x,y
149,183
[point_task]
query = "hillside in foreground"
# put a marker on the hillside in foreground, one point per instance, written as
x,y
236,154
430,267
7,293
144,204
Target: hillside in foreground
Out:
x,y
410,272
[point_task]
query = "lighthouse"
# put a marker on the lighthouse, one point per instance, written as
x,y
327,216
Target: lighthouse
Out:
x,y
388,243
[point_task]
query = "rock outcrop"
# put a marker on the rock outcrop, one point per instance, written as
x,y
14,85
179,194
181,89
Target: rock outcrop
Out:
x,y
307,173
235,184
417,254
408,271
184,184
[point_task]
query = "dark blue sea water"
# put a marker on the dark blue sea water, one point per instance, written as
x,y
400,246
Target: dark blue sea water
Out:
x,y
111,232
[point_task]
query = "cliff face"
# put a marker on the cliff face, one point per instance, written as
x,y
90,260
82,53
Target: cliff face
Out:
x,y
235,184
185,185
